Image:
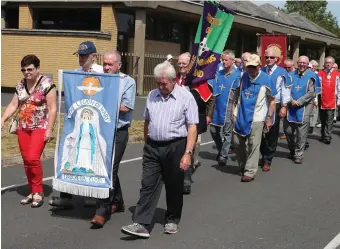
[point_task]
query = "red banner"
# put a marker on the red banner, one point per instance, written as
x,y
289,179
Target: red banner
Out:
x,y
277,41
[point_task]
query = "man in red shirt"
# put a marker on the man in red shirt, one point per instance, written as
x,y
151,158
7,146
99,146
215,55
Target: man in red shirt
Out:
x,y
330,81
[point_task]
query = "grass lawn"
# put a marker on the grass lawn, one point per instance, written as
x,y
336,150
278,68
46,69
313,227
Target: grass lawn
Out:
x,y
9,142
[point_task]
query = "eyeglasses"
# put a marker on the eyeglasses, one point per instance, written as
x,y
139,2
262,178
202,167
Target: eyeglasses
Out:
x,y
270,57
30,69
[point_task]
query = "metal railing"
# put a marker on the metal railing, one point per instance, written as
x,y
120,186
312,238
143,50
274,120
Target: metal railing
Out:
x,y
130,65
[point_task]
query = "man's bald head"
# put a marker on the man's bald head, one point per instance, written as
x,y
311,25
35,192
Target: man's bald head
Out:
x,y
303,62
183,63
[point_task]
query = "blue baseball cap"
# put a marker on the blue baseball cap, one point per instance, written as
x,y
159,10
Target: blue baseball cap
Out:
x,y
86,47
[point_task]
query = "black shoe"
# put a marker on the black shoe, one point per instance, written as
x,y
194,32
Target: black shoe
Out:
x,y
298,161
306,145
327,141
222,163
186,190
311,130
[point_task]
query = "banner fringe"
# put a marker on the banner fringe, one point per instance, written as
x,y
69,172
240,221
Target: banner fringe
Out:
x,y
75,189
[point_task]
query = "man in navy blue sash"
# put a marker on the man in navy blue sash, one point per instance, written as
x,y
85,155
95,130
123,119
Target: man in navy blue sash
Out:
x,y
253,110
224,84
281,80
300,109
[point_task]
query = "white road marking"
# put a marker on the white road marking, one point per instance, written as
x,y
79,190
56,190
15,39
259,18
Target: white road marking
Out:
x,y
51,177
334,243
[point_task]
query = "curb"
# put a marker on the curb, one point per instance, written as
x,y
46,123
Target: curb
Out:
x,y
49,154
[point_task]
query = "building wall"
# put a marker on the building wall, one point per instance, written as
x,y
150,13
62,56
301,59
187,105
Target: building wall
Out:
x,y
54,51
158,47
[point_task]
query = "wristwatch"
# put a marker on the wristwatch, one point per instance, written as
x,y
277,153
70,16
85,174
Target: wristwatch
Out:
x,y
188,152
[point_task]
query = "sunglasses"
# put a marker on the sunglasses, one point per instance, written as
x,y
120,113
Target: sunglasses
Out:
x,y
23,70
270,57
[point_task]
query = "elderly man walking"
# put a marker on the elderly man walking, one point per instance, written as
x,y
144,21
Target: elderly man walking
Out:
x,y
281,80
299,109
253,108
330,88
170,134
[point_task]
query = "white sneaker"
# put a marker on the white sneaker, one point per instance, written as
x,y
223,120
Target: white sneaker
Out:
x,y
170,228
318,126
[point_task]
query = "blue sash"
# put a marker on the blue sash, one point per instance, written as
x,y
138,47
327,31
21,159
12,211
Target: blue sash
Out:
x,y
249,92
222,86
299,89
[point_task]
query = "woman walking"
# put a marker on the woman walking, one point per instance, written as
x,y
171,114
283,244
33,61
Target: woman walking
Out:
x,y
35,102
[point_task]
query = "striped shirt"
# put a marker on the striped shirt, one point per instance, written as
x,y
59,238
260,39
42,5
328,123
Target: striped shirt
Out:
x,y
169,117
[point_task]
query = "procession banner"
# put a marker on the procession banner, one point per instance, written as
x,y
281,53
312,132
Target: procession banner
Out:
x,y
84,150
278,42
211,37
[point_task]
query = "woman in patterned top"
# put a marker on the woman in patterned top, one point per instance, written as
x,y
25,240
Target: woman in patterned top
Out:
x,y
36,99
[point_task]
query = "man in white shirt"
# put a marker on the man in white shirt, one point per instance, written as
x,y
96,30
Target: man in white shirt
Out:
x,y
87,54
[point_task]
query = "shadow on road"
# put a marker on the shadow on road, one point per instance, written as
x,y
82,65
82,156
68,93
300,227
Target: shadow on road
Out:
x,y
207,155
232,170
25,191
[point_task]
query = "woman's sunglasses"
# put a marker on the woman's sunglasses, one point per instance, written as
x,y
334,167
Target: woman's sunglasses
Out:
x,y
270,57
23,70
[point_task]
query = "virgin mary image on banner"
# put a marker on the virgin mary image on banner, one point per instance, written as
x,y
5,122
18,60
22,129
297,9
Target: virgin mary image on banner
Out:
x,y
85,149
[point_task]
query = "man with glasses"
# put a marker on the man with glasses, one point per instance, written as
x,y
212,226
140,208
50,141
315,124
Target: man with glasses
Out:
x,y
300,108
289,65
105,207
253,109
330,87
86,54
281,80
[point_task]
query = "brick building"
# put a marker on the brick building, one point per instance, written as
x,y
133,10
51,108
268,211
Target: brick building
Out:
x,y
53,31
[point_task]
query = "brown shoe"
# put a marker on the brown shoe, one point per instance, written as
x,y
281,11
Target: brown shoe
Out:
x,y
98,221
283,137
117,208
266,168
247,179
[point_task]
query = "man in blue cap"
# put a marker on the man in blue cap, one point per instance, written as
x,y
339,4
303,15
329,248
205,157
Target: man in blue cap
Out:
x,y
87,55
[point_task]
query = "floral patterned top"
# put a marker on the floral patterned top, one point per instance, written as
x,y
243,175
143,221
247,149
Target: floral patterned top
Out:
x,y
33,112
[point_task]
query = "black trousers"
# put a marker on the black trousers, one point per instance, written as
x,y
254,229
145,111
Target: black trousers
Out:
x,y
161,161
104,206
326,117
122,137
269,139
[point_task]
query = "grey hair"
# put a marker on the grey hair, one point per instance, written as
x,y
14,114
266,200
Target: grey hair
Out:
x,y
185,54
330,57
245,54
314,63
166,68
303,57
289,61
115,53
229,53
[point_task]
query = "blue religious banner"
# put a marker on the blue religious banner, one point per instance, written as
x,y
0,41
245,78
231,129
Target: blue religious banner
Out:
x,y
84,150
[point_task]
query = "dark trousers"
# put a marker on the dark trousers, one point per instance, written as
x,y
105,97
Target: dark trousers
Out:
x,y
188,174
161,164
269,139
122,137
326,117
104,206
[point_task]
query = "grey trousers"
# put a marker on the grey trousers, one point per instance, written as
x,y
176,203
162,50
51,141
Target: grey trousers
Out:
x,y
314,117
222,137
248,149
326,117
296,136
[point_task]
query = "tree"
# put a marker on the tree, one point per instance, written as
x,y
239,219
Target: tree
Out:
x,y
316,11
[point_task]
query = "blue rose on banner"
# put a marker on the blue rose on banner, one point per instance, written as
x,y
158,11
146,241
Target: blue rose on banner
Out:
x,y
84,153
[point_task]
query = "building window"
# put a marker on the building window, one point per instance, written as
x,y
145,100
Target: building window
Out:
x,y
68,19
126,23
12,18
160,29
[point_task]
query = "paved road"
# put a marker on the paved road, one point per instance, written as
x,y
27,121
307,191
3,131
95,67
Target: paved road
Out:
x,y
292,207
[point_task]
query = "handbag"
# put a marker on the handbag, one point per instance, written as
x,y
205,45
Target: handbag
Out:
x,y
14,122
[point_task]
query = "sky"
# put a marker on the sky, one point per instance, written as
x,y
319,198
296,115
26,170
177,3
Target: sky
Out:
x,y
333,6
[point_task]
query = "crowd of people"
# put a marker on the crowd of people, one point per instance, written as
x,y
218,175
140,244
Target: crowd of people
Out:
x,y
243,113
